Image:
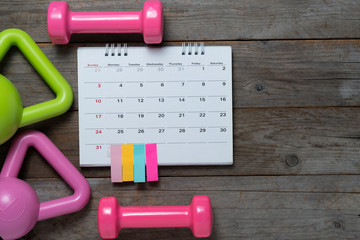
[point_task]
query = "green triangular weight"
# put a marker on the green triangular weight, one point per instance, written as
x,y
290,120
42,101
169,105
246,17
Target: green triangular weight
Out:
x,y
12,113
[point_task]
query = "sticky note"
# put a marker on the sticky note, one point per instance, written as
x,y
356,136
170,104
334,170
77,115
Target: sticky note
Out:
x,y
139,163
128,162
151,162
116,163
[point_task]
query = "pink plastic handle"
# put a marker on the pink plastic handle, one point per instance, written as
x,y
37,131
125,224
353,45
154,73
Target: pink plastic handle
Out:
x,y
197,216
61,165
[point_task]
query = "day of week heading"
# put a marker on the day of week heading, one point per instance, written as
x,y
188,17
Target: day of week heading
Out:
x,y
113,64
134,64
154,64
195,63
216,63
170,63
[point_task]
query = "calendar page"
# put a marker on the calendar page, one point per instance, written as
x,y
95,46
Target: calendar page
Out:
x,y
179,98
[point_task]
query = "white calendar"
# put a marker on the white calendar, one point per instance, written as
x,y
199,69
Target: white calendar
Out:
x,y
177,97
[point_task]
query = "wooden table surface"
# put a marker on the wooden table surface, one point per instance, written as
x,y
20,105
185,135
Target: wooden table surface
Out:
x,y
296,85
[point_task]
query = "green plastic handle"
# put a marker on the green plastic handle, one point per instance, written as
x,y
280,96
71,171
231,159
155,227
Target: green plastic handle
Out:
x,y
62,89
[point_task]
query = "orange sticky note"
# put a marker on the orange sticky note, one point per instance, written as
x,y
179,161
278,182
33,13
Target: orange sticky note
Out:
x,y
128,162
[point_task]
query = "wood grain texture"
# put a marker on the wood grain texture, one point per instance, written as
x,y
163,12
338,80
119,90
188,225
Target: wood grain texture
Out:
x,y
323,140
289,73
243,207
296,96
209,19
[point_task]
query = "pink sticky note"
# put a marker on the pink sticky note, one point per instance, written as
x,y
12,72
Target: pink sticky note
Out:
x,y
116,163
151,162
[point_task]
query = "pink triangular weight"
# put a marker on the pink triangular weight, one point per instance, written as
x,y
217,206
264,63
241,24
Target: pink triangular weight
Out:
x,y
20,208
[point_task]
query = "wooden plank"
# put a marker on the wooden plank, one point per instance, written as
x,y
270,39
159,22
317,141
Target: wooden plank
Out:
x,y
265,74
209,19
266,142
250,213
47,189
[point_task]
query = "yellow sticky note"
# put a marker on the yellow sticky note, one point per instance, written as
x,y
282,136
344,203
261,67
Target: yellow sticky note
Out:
x,y
128,162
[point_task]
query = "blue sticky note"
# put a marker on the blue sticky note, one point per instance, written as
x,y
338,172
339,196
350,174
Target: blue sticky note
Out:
x,y
139,163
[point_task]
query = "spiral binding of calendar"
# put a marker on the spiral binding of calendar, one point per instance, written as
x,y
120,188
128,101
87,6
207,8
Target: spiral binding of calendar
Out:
x,y
186,49
111,50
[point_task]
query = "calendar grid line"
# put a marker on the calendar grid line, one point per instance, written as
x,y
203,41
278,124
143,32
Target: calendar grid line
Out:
x,y
118,143
156,127
205,111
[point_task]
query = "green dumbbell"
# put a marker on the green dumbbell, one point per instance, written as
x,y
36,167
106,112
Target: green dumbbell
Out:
x,y
12,113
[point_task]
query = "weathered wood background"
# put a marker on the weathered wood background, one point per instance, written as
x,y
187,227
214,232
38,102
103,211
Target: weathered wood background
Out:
x,y
296,78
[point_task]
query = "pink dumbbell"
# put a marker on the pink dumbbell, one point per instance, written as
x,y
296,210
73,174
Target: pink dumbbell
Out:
x,y
197,216
62,22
